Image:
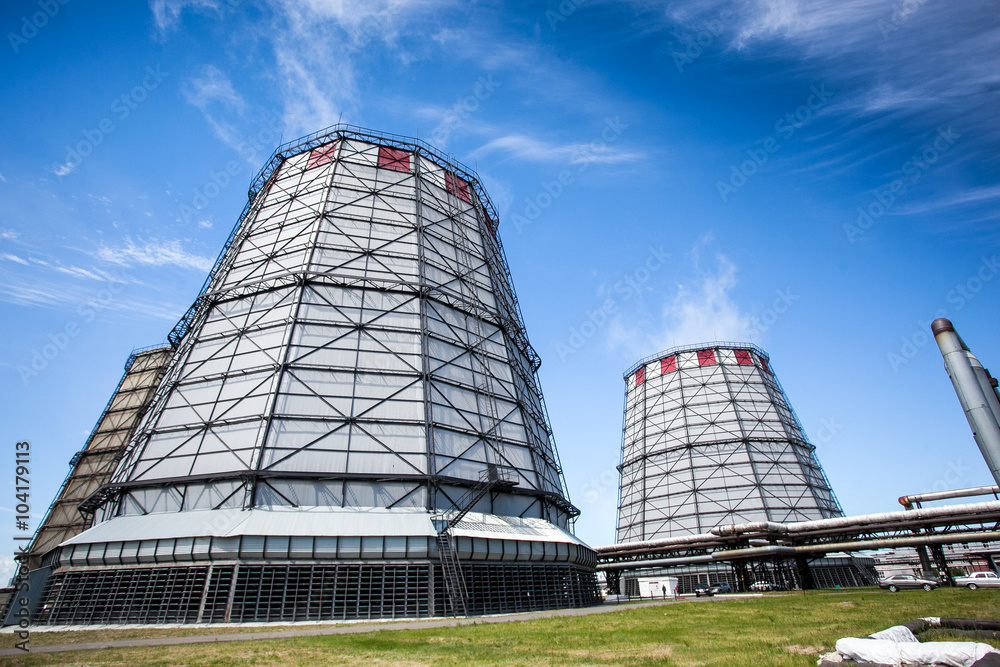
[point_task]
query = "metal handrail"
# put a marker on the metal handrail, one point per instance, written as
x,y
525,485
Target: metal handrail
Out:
x,y
694,348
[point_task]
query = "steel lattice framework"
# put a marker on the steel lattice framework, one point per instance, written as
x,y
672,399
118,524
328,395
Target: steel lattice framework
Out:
x,y
710,439
355,365
359,345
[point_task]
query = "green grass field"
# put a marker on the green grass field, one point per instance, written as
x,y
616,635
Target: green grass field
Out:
x,y
773,630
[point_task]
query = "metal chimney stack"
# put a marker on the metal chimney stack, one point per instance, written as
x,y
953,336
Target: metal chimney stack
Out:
x,y
976,389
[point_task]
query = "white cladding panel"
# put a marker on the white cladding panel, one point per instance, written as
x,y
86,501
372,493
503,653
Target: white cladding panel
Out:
x,y
358,330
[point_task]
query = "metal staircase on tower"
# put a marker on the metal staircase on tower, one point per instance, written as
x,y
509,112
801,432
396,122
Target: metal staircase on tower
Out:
x,y
494,476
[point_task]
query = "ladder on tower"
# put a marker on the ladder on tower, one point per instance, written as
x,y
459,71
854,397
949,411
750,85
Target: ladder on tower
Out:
x,y
494,476
454,582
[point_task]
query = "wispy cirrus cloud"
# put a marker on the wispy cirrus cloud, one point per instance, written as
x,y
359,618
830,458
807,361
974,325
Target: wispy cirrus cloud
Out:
x,y
13,258
153,253
167,13
70,297
975,196
212,93
88,274
315,44
527,148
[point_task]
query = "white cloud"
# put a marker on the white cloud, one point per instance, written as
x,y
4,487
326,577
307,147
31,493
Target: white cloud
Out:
x,y
533,150
2,178
959,199
153,253
705,311
9,234
361,19
698,312
7,568
13,258
309,102
167,13
62,169
211,86
212,93
205,224
77,272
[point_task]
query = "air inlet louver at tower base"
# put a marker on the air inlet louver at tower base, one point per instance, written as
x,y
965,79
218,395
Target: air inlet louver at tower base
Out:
x,y
710,439
351,425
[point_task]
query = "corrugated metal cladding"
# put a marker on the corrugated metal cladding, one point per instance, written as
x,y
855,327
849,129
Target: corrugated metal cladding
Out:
x,y
357,347
709,440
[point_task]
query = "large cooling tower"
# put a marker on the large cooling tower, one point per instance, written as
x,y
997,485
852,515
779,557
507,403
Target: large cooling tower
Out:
x,y
710,439
351,425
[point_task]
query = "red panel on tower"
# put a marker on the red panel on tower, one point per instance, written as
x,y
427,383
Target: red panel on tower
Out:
x,y
706,357
743,358
457,186
640,376
394,158
668,365
322,155
763,364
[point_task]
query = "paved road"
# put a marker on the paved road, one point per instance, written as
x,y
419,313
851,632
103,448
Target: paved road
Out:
x,y
331,630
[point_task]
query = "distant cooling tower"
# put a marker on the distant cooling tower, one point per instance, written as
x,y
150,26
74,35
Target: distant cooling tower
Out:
x,y
710,439
350,424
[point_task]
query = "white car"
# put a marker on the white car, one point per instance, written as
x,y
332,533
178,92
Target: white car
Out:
x,y
979,580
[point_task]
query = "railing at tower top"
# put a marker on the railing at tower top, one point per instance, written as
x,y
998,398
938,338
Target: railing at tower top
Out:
x,y
296,146
694,348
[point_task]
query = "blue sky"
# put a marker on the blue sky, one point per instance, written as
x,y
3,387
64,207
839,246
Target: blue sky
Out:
x,y
818,177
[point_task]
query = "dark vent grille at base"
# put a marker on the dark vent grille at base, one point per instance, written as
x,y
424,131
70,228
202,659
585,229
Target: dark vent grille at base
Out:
x,y
241,593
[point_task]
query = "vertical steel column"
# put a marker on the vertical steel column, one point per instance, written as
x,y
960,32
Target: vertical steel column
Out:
x,y
204,593
942,564
805,573
925,561
232,593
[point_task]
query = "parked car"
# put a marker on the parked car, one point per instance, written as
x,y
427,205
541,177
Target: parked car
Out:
x,y
761,586
703,589
721,587
898,582
979,580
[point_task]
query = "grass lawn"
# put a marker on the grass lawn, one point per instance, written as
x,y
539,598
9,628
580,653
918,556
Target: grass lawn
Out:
x,y
772,630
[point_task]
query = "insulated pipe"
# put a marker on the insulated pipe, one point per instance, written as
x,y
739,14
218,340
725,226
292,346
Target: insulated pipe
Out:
x,y
811,549
907,501
753,527
976,392
659,562
970,511
908,541
756,552
625,547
